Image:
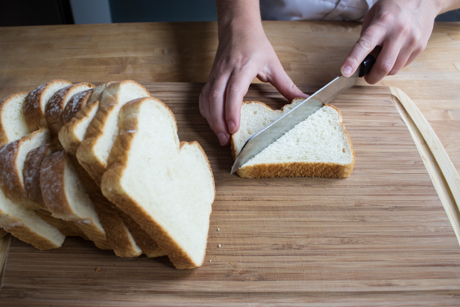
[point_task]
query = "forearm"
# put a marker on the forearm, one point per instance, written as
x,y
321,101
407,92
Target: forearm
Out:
x,y
238,15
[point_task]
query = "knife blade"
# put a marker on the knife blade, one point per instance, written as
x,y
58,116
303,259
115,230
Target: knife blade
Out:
x,y
262,139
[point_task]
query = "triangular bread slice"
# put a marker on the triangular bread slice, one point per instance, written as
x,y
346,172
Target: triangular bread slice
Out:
x,y
12,158
55,106
165,186
94,151
34,106
27,226
13,125
66,198
317,147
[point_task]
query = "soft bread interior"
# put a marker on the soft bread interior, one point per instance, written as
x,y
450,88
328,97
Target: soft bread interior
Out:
x,y
320,138
13,120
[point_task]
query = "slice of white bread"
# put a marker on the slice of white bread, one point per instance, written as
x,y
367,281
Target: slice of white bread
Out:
x,y
165,186
66,198
94,150
34,106
12,122
12,158
31,175
27,226
56,104
317,147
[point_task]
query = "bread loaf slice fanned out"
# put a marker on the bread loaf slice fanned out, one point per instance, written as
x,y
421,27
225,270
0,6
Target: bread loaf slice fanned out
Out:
x,y
12,122
66,198
55,107
317,147
94,150
12,159
27,226
34,106
165,186
78,114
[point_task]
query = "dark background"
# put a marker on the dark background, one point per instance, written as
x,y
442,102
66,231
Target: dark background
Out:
x,y
51,12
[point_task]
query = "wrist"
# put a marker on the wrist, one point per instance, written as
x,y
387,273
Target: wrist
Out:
x,y
238,16
447,5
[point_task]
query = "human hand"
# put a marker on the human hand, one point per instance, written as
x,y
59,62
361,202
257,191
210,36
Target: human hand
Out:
x,y
244,53
402,28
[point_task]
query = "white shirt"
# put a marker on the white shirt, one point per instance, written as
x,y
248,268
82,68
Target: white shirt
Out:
x,y
345,10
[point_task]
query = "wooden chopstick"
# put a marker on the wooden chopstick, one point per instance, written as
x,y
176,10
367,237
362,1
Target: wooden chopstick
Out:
x,y
442,171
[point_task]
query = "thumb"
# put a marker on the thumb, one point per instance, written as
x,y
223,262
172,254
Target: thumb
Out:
x,y
281,81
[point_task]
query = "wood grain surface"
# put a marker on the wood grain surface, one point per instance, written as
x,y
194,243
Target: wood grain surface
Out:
x,y
379,237
311,53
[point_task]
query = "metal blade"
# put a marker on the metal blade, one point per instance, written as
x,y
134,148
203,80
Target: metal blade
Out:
x,y
279,127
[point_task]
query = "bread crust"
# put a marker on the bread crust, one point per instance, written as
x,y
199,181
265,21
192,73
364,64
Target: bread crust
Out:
x,y
31,173
296,169
10,177
52,184
3,133
68,229
74,105
55,106
34,105
118,234
113,190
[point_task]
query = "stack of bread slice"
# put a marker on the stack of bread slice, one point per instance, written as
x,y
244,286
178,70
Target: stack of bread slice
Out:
x,y
63,142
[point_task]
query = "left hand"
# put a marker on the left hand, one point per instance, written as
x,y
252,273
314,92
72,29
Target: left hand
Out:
x,y
402,28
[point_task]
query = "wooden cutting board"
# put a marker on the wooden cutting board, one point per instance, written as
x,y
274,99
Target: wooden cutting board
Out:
x,y
278,241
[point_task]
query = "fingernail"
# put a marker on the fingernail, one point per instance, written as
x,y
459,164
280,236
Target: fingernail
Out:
x,y
346,71
222,139
231,126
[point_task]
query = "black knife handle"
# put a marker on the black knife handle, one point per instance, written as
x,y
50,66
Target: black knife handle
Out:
x,y
369,61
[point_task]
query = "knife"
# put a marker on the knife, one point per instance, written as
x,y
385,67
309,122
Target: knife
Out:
x,y
259,141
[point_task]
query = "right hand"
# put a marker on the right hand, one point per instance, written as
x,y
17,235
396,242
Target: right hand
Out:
x,y
243,54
